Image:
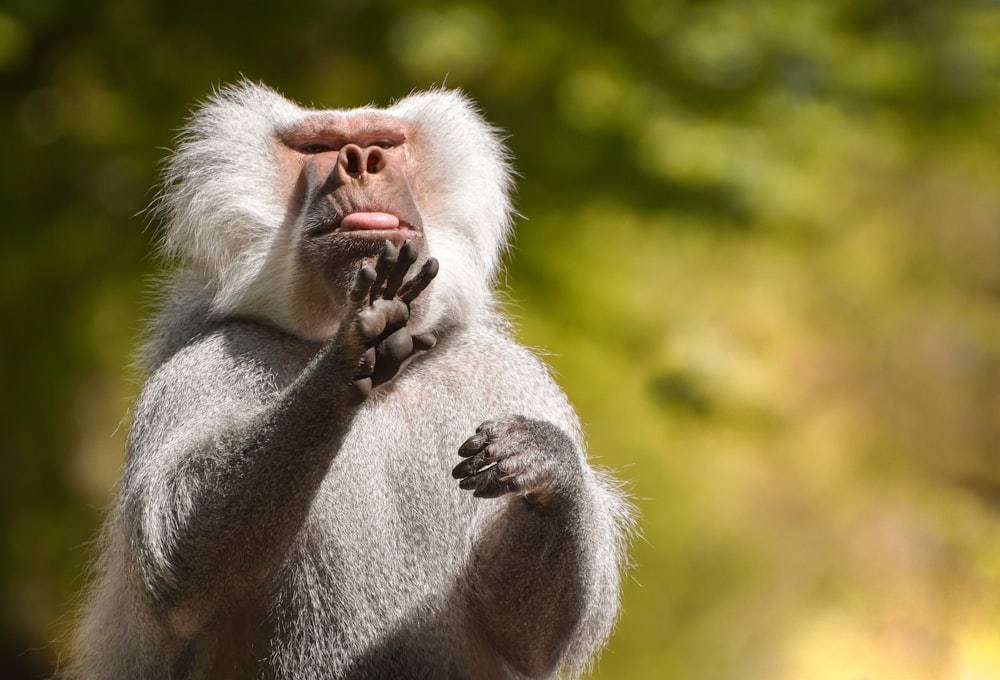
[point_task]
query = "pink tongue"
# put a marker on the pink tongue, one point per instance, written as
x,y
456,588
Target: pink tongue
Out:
x,y
369,220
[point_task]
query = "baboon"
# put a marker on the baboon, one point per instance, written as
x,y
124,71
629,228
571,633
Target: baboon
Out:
x,y
340,464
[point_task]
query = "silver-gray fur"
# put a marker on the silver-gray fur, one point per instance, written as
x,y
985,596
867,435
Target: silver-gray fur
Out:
x,y
273,520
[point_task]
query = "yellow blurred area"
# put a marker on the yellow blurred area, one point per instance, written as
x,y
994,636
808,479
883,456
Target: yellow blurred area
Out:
x,y
804,416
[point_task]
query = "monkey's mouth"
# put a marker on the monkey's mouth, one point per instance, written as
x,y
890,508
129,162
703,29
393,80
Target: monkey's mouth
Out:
x,y
371,221
370,226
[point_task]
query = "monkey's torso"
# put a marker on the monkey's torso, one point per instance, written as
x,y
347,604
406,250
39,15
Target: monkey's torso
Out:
x,y
377,583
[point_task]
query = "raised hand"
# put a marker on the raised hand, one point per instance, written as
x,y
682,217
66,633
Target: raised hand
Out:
x,y
380,303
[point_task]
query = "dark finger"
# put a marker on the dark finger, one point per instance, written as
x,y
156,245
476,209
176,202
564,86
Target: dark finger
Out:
x,y
407,256
472,466
424,341
390,355
473,445
412,288
476,479
464,469
384,266
397,347
395,313
488,482
362,284
371,325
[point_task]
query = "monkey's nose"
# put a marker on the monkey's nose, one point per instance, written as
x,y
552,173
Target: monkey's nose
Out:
x,y
355,161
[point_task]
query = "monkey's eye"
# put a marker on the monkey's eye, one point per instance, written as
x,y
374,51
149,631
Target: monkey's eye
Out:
x,y
384,143
315,147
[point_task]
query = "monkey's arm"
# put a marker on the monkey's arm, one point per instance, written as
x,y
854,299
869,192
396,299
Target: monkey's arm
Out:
x,y
223,467
545,571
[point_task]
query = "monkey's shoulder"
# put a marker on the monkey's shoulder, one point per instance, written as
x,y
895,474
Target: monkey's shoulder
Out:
x,y
236,345
232,364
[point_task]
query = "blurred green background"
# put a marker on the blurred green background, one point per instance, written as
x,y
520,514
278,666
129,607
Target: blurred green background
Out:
x,y
761,242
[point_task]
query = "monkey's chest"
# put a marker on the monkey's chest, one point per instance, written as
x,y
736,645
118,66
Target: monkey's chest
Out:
x,y
390,509
377,578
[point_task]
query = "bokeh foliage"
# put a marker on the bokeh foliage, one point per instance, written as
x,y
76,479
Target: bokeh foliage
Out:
x,y
762,240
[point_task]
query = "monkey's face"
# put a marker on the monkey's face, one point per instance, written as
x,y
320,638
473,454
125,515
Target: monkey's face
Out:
x,y
271,207
351,193
352,180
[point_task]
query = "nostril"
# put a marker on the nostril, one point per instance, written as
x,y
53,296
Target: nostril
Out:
x,y
350,159
375,160
353,161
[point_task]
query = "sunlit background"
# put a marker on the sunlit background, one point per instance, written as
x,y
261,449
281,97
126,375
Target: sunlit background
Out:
x,y
760,248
